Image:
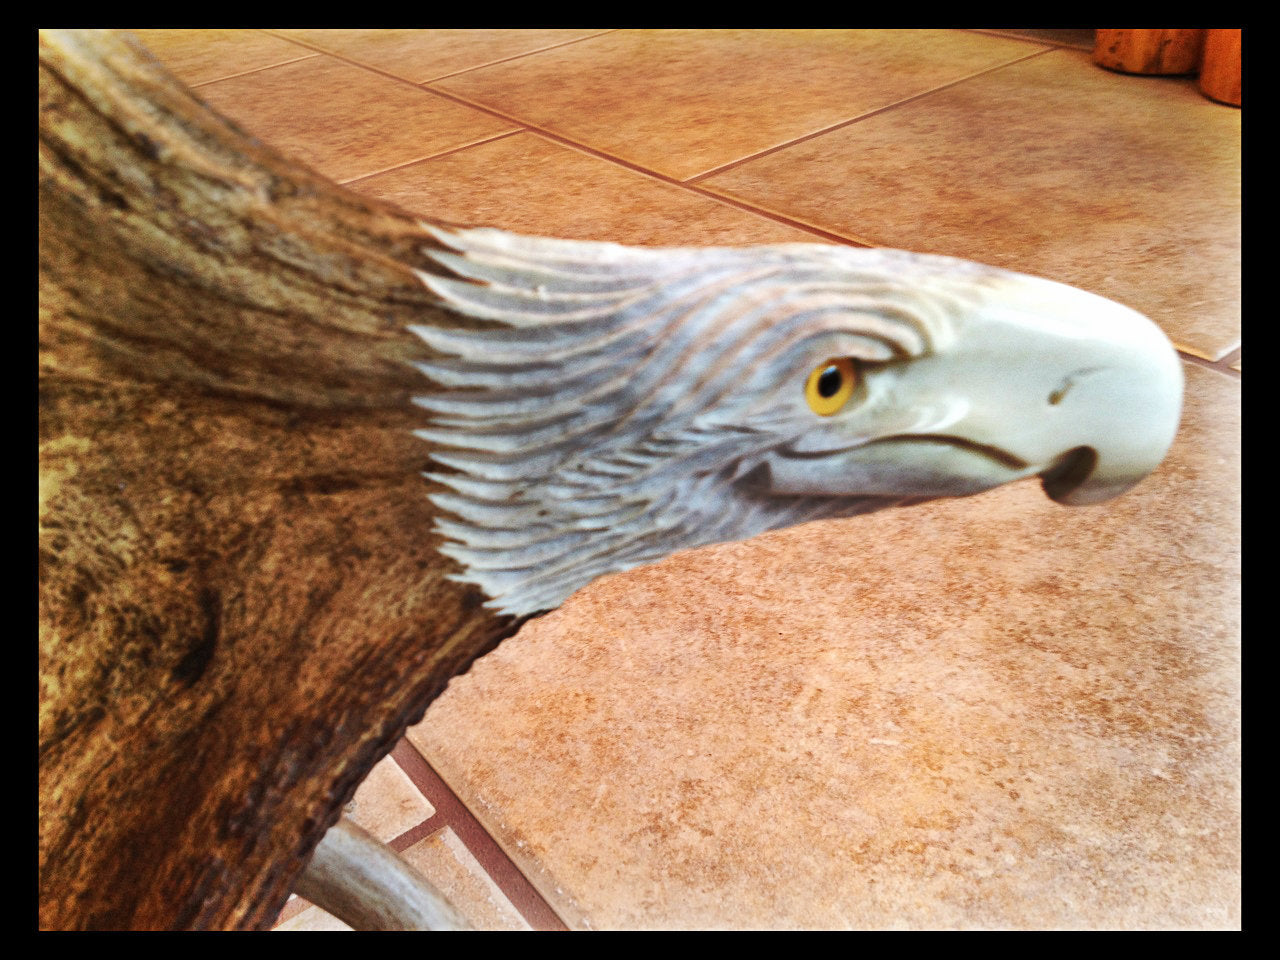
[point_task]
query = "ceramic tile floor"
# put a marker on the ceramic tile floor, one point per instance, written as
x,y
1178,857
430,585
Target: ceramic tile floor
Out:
x,y
993,712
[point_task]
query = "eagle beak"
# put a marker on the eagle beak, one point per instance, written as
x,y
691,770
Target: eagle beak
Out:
x,y
1031,378
1092,390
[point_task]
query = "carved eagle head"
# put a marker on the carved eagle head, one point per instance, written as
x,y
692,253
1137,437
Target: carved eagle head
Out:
x,y
616,404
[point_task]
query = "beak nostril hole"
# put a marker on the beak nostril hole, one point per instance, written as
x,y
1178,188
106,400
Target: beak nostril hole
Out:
x,y
1069,471
1068,382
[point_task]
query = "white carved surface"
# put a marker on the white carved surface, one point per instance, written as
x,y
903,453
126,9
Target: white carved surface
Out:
x,y
623,403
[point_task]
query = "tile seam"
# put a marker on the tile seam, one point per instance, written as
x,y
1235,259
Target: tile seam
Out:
x,y
1222,365
1211,356
558,138
420,831
732,164
518,56
420,84
1045,41
500,868
434,156
420,87
849,239
243,73
564,141
399,844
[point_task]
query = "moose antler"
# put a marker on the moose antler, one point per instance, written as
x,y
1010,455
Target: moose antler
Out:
x,y
242,605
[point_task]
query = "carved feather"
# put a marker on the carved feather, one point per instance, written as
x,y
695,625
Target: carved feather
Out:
x,y
617,406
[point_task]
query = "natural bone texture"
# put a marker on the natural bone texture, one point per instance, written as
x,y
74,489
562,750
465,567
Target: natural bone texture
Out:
x,y
612,416
247,587
623,403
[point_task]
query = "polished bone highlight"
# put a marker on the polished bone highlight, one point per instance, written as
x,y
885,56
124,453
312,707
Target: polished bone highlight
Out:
x,y
620,402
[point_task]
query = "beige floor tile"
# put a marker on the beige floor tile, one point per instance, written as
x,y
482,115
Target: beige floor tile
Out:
x,y
446,861
1127,186
345,121
531,185
387,803
312,919
198,56
683,102
422,55
994,712
1081,39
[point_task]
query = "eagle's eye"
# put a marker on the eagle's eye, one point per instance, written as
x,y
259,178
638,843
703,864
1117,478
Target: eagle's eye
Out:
x,y
830,386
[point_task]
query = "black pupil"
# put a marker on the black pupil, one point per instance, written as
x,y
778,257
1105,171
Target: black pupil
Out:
x,y
829,381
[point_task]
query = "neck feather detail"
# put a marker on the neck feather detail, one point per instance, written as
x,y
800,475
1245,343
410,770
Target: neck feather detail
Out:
x,y
615,402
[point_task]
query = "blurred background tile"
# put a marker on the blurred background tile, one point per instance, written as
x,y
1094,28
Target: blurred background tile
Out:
x,y
198,56
1127,186
387,803
463,881
345,121
682,102
1080,38
528,184
422,55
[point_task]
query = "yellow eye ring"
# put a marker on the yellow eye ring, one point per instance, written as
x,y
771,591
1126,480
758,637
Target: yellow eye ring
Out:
x,y
830,386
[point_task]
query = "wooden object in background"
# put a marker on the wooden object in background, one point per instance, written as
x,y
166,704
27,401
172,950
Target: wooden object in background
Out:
x,y
1220,71
1149,51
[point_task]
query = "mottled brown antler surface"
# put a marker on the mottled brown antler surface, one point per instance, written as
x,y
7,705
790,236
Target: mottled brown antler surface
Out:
x,y
241,603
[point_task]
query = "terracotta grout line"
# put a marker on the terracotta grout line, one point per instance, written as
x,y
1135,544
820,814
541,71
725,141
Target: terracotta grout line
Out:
x,y
378,71
1010,35
434,156
766,213
418,832
452,812
245,73
556,137
858,119
564,141
400,844
1222,365
420,84
518,56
